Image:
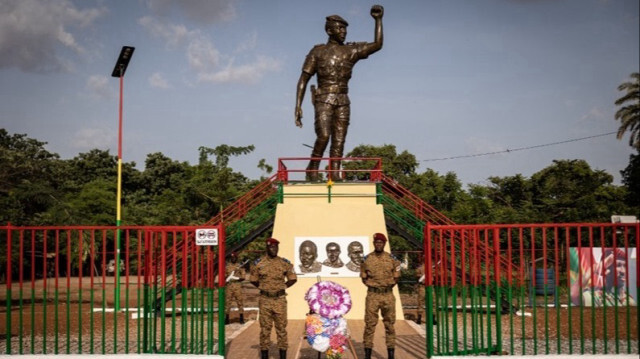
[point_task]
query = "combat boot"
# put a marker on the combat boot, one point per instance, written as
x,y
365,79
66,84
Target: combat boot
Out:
x,y
391,353
226,319
283,354
419,321
367,353
241,318
264,354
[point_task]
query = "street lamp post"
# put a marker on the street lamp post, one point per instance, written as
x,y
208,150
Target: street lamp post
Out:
x,y
118,71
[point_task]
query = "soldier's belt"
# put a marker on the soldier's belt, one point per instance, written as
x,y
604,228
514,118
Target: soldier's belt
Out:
x,y
331,89
379,289
277,294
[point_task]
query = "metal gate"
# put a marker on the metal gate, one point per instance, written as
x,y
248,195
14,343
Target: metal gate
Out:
x,y
530,289
72,290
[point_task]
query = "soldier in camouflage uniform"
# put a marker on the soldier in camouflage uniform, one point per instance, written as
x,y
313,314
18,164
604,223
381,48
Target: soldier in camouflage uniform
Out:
x,y
380,272
234,274
332,63
272,275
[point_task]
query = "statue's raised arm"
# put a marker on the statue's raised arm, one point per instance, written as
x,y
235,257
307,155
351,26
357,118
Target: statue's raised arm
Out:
x,y
332,63
377,11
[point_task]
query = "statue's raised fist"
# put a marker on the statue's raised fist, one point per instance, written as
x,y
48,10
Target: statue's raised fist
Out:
x,y
377,11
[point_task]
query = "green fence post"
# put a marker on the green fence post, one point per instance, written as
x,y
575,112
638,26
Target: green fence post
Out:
x,y
221,329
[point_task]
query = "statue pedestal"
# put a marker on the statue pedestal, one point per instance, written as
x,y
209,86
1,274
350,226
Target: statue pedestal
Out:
x,y
344,213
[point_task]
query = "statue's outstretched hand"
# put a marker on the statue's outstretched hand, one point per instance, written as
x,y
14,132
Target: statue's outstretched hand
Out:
x,y
377,11
298,117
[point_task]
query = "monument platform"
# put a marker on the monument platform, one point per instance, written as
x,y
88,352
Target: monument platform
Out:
x,y
410,343
341,213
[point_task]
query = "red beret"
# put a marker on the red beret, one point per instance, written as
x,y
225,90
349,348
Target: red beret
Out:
x,y
379,237
272,241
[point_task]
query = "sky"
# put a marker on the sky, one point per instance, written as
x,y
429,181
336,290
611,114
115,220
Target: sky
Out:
x,y
454,78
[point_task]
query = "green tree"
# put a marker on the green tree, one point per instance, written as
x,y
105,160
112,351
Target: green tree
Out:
x,y
629,113
570,191
30,178
397,166
631,179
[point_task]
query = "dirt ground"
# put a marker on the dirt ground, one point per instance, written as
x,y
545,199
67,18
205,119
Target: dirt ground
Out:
x,y
76,327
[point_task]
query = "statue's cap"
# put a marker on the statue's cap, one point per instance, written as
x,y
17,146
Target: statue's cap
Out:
x,y
271,241
379,237
337,18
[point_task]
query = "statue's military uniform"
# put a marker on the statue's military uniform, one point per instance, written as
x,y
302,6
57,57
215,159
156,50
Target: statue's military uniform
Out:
x,y
272,274
421,292
333,64
380,272
233,291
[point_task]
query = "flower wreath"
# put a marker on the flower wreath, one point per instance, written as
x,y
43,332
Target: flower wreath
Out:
x,y
326,328
329,299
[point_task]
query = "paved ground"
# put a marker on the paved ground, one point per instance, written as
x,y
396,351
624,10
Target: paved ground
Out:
x,y
410,344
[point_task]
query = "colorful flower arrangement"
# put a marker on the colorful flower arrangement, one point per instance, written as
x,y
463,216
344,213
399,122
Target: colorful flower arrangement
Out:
x,y
326,328
329,299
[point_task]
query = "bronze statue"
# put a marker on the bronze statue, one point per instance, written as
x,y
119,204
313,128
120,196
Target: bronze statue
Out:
x,y
355,251
333,256
332,63
308,253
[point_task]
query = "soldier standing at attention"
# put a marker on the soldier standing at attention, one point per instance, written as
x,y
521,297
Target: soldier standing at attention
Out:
x,y
332,63
272,275
380,272
234,274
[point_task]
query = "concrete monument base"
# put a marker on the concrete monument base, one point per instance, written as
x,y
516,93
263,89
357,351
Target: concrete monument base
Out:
x,y
342,213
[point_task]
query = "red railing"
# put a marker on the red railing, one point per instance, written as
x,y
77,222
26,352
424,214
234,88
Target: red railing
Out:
x,y
352,168
573,288
428,214
60,288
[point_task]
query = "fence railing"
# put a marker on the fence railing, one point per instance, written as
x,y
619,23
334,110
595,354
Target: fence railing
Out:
x,y
572,289
58,291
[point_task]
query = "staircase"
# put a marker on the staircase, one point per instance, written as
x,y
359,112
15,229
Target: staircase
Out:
x,y
254,212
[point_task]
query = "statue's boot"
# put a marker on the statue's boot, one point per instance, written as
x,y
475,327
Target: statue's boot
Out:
x,y
264,354
241,318
312,171
226,319
283,354
419,321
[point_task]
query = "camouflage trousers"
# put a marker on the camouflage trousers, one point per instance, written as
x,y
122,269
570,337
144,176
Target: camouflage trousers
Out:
x,y
273,311
386,304
233,293
421,304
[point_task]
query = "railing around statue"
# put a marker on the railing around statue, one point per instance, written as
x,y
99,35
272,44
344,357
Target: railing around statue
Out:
x,y
348,169
574,290
58,291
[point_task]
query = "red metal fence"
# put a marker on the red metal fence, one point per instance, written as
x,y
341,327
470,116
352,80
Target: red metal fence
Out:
x,y
59,290
571,288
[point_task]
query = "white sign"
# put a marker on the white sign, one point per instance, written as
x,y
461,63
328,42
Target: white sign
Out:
x,y
207,236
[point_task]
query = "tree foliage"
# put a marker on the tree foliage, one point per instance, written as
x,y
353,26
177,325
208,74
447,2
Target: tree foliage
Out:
x,y
38,188
629,112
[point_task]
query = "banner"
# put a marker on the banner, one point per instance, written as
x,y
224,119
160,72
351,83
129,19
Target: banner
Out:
x,y
603,277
